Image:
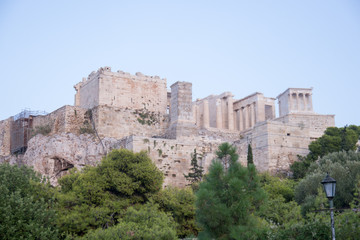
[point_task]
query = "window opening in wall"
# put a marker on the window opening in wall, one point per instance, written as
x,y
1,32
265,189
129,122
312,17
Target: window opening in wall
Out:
x,y
288,134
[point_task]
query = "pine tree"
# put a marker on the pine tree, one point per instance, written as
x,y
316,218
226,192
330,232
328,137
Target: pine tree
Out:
x,y
196,172
227,199
249,156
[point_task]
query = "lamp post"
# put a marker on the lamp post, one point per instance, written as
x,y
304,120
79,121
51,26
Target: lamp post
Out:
x,y
329,186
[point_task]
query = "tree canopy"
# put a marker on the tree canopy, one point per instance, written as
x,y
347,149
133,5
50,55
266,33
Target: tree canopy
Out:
x,y
99,196
145,222
25,205
334,140
227,199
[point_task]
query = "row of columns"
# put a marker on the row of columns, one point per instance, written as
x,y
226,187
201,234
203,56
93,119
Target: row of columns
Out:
x,y
239,119
245,117
300,102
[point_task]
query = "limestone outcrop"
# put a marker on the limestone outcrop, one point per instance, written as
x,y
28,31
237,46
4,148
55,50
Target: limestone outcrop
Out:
x,y
53,156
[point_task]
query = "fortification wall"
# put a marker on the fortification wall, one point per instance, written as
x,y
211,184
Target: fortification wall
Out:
x,y
122,90
316,123
258,140
173,157
119,122
285,143
63,120
89,91
5,131
277,143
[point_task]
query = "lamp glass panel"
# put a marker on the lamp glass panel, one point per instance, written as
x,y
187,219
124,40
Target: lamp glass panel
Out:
x,y
329,189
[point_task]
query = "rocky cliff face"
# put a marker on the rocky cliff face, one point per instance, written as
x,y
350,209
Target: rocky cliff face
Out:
x,y
53,156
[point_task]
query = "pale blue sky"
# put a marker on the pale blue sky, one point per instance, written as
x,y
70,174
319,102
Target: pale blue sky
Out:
x,y
46,47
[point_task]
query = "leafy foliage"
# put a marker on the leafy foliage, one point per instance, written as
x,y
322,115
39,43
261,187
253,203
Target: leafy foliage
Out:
x,y
144,223
228,199
99,196
342,166
334,140
25,205
280,207
180,203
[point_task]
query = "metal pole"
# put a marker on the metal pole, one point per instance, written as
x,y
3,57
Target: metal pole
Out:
x,y
332,219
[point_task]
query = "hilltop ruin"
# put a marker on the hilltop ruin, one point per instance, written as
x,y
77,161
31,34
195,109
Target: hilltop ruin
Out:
x,y
138,113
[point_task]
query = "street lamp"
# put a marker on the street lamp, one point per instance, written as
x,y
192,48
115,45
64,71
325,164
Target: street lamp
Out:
x,y
329,187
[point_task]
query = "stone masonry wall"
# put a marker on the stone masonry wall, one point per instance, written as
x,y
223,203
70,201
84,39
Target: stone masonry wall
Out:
x,y
173,157
63,120
316,123
88,91
5,127
123,90
119,123
276,144
182,122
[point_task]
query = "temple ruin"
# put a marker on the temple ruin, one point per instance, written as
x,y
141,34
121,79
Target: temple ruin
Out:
x,y
139,111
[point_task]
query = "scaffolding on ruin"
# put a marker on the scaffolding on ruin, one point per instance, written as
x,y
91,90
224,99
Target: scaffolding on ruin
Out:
x,y
21,129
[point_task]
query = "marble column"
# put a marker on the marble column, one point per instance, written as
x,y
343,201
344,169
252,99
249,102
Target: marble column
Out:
x,y
206,123
246,117
310,102
241,121
230,112
218,114
252,115
297,102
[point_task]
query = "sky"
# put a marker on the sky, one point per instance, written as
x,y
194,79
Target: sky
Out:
x,y
46,47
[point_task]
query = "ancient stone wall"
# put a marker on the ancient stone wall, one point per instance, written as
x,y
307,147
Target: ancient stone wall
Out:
x,y
63,120
138,113
119,123
277,143
122,90
182,122
5,135
173,157
316,123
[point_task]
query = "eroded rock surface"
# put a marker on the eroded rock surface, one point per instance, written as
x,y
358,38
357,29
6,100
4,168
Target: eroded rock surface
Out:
x,y
53,156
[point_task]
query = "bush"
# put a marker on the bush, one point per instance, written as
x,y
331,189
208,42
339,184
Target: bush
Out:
x,y
26,205
42,129
145,223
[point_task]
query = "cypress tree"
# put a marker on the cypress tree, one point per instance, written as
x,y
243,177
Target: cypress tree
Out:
x,y
196,172
249,156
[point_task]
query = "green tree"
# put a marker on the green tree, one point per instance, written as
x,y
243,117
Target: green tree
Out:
x,y
334,140
250,156
280,208
143,223
342,166
347,224
228,198
99,196
26,205
180,203
196,172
